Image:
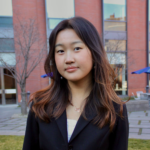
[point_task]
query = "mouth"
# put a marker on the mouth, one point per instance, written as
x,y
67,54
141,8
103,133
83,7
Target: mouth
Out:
x,y
71,69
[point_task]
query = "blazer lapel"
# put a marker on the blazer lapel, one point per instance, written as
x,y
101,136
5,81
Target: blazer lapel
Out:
x,y
62,125
81,124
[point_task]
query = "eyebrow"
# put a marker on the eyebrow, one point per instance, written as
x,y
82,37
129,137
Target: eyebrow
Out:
x,y
71,43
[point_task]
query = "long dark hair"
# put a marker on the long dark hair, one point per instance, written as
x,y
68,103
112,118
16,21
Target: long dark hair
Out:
x,y
52,101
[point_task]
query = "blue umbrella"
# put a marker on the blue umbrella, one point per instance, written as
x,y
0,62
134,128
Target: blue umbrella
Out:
x,y
144,70
47,75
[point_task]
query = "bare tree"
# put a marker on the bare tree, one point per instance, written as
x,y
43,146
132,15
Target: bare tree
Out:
x,y
29,51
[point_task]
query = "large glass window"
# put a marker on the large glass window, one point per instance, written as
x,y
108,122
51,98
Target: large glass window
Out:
x,y
58,10
6,44
118,63
6,13
115,45
115,15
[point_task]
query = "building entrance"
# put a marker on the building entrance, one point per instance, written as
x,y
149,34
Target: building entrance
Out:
x,y
7,87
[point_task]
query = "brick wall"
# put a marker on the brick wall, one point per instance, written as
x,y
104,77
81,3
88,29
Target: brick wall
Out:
x,y
90,10
136,25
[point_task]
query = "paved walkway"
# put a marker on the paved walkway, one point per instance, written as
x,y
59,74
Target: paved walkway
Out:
x,y
11,123
11,120
139,123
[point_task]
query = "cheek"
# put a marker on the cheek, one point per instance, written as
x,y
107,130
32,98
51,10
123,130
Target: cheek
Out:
x,y
86,60
59,63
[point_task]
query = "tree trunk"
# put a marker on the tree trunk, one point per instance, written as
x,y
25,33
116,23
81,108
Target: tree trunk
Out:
x,y
24,102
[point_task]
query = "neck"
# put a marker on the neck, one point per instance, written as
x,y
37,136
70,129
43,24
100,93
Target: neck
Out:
x,y
80,90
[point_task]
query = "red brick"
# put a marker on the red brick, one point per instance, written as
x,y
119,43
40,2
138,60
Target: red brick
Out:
x,y
136,33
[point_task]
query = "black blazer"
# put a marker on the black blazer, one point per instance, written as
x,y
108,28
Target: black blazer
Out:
x,y
86,136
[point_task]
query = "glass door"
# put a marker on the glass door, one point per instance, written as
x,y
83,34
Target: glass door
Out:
x,y
8,87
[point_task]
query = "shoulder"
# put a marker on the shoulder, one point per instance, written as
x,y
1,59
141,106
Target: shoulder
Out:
x,y
31,114
121,113
121,123
118,107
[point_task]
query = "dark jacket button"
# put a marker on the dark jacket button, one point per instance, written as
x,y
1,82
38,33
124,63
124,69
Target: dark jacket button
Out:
x,y
70,147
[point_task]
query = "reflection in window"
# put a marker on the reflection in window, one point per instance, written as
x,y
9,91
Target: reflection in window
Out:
x,y
115,45
115,10
60,8
9,80
53,22
57,10
8,58
118,61
116,58
120,82
6,44
6,22
114,26
6,8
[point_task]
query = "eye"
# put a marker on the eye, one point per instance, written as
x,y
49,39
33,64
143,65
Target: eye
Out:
x,y
60,51
77,48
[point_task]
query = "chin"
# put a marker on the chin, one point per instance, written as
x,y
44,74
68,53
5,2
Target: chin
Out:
x,y
74,79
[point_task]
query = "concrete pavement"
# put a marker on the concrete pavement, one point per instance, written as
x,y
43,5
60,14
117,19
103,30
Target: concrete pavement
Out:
x,y
13,123
139,123
11,120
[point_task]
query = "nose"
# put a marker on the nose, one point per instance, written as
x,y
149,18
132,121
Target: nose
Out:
x,y
69,58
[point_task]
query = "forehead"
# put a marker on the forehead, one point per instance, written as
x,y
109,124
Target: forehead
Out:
x,y
67,36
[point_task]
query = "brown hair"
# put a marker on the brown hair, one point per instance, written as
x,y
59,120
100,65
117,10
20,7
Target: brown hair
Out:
x,y
52,101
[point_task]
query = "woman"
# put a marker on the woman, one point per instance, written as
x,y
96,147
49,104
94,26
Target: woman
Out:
x,y
79,110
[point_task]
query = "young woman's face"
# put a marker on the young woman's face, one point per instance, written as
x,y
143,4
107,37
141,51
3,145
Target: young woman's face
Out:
x,y
73,58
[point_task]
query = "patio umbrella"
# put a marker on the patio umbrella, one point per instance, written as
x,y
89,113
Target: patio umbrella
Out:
x,y
144,70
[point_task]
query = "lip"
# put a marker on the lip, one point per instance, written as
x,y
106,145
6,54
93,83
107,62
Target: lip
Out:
x,y
71,69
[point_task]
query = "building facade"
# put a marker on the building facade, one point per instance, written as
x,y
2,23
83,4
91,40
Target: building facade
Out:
x,y
123,26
